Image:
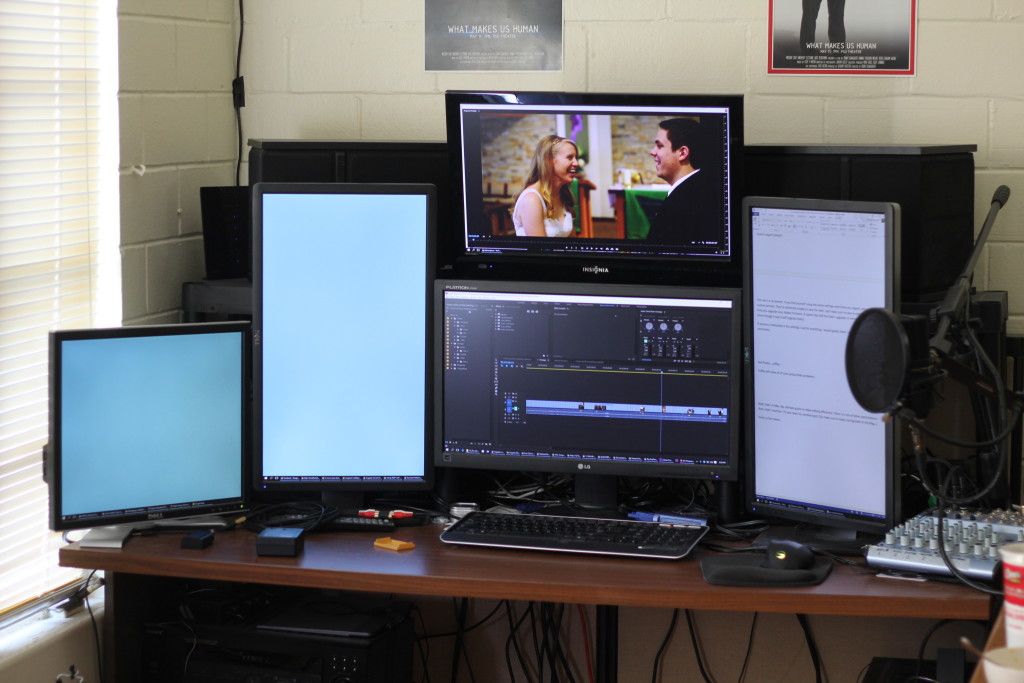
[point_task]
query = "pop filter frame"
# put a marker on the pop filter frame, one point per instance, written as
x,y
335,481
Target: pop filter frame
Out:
x,y
877,360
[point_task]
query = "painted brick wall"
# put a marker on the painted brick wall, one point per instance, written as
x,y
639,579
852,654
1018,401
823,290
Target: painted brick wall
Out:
x,y
354,70
177,60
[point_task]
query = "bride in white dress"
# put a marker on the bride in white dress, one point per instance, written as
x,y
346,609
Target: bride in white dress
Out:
x,y
544,207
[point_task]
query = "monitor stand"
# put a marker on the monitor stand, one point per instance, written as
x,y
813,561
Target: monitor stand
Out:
x,y
116,536
346,501
594,495
835,541
200,522
107,536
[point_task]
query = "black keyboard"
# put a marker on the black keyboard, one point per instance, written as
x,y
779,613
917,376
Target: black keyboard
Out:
x,y
575,534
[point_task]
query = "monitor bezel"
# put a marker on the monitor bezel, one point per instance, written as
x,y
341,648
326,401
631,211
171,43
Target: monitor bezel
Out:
x,y
714,473
828,522
333,490
54,458
456,261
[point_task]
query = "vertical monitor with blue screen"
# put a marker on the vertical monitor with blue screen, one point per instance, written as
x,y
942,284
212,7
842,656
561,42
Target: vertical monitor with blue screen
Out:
x,y
340,276
147,424
814,456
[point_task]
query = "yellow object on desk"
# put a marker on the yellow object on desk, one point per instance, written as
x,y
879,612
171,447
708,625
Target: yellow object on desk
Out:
x,y
393,544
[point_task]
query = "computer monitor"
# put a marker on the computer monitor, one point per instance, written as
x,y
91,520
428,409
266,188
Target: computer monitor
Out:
x,y
593,380
623,231
148,424
814,456
340,320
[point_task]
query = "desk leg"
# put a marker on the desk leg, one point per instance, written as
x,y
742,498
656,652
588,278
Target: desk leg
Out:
x,y
607,643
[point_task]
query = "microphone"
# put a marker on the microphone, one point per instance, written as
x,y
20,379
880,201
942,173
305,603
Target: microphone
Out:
x,y
892,364
1002,194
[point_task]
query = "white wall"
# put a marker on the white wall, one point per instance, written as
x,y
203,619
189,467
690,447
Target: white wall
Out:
x,y
353,69
177,60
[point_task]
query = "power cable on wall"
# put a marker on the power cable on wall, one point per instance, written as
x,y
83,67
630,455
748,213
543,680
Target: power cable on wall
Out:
x,y
238,91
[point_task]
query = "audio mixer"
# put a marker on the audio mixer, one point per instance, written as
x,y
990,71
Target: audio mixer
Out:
x,y
971,539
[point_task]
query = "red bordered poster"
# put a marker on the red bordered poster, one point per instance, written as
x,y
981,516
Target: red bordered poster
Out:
x,y
836,37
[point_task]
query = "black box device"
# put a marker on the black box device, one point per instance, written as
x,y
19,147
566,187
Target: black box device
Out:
x,y
279,542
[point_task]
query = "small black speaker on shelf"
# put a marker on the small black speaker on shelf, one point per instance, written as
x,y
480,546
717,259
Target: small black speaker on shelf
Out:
x,y
226,232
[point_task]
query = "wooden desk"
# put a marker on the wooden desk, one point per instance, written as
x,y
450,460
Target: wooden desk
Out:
x,y
350,562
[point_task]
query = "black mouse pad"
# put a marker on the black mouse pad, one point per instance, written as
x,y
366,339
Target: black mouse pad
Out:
x,y
747,570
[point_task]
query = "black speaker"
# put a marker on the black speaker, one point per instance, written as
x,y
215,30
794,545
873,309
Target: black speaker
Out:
x,y
226,232
933,184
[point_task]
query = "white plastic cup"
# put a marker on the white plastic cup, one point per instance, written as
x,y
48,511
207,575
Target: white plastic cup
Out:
x,y
1012,555
1005,665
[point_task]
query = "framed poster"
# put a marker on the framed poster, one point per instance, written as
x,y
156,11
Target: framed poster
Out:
x,y
834,37
493,35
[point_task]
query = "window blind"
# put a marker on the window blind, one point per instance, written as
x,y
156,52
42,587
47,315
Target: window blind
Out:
x,y
52,138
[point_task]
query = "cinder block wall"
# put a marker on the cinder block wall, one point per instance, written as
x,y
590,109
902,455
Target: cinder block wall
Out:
x,y
176,62
354,70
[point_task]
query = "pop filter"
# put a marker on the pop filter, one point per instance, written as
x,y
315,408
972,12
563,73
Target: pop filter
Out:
x,y
877,360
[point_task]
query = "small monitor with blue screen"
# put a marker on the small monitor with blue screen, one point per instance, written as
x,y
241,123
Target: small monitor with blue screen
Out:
x,y
148,424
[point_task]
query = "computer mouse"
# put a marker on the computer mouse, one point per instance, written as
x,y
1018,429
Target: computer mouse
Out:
x,y
788,554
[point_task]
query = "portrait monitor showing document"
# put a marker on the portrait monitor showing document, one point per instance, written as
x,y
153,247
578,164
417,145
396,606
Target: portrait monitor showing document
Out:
x,y
813,454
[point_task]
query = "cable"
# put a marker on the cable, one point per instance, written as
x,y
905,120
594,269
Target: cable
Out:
x,y
585,633
235,85
696,647
95,626
664,645
458,652
924,643
301,514
514,641
750,649
812,647
558,612
422,643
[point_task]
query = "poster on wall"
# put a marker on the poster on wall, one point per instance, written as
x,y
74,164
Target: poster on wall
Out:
x,y
493,35
834,37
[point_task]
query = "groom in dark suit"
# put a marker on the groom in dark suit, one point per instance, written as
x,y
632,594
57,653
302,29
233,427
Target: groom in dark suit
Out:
x,y
691,214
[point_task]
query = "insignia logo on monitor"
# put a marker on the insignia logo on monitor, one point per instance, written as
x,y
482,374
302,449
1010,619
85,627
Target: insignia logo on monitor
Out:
x,y
595,269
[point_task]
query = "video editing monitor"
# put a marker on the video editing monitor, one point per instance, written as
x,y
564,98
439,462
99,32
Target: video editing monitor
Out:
x,y
623,230
813,454
341,344
147,424
609,380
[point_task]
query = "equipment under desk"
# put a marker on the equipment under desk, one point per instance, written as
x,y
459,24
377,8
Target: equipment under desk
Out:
x,y
349,561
